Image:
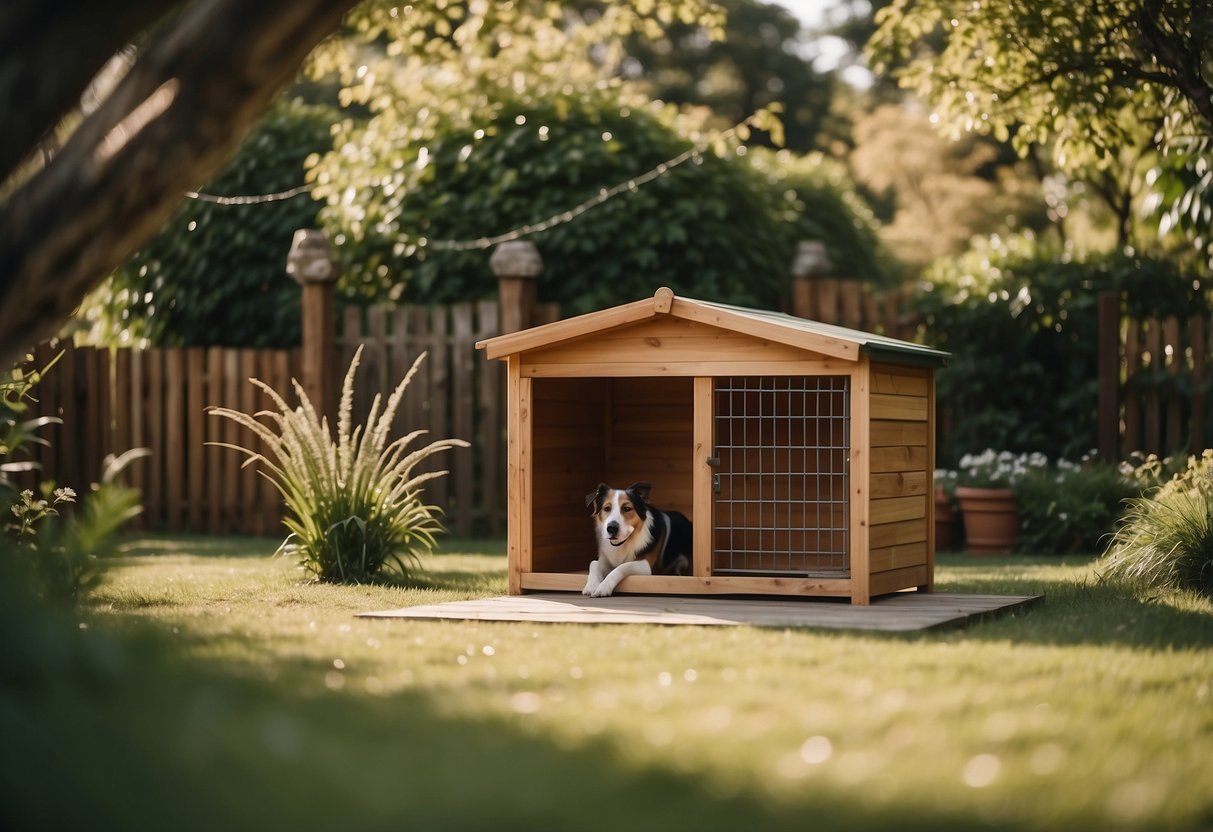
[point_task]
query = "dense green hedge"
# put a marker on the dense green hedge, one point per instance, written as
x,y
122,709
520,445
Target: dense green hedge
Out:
x,y
216,274
701,228
1021,323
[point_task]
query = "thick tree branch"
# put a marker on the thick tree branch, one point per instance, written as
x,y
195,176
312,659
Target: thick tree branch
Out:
x,y
1182,61
49,52
167,127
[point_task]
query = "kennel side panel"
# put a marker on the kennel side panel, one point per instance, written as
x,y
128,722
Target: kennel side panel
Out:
x,y
901,435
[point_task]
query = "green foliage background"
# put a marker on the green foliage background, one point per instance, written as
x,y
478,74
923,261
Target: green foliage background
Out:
x,y
1021,323
216,274
701,228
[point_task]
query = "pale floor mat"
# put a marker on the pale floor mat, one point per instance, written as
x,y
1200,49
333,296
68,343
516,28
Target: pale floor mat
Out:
x,y
900,612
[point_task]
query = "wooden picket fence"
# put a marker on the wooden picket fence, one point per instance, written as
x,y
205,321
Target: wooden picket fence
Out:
x,y
855,305
1154,396
1164,385
456,393
111,400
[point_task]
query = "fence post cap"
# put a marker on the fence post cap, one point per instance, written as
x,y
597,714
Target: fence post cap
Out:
x,y
516,258
310,259
811,260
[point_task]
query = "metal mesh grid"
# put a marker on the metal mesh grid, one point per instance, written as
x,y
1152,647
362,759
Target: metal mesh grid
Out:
x,y
782,484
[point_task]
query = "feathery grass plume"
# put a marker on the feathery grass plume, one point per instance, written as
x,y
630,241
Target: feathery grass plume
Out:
x,y
1166,541
354,505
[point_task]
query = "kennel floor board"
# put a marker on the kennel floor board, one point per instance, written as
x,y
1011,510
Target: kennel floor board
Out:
x,y
900,612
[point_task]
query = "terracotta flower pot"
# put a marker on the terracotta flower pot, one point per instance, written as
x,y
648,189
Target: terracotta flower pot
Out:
x,y
991,519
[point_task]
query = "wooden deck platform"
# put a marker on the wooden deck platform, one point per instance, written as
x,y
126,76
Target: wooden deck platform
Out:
x,y
900,612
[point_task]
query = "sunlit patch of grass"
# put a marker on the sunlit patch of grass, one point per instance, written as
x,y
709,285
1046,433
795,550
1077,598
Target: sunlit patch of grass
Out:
x,y
1095,705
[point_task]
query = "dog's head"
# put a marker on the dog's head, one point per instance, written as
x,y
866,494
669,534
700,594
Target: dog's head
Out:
x,y
619,512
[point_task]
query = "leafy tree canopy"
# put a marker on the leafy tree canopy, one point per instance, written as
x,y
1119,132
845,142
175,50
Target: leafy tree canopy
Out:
x,y
1095,82
1078,76
943,192
503,122
758,60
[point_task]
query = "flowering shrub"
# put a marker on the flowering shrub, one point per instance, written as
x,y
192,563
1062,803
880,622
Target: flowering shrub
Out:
x,y
1063,507
991,469
1071,506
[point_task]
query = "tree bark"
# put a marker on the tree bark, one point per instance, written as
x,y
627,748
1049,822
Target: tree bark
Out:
x,y
1183,60
49,52
167,127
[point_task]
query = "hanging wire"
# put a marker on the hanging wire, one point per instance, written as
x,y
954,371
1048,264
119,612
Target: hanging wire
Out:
x,y
559,218
249,200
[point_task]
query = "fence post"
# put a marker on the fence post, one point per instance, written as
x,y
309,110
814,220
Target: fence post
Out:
x,y
516,265
311,263
811,261
1108,351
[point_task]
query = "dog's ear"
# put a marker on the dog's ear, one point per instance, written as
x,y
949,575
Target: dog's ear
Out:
x,y
593,500
641,490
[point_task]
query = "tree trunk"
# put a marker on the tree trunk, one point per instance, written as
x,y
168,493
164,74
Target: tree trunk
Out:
x,y
169,125
49,52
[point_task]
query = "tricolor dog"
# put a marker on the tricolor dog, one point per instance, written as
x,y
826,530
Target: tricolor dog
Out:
x,y
634,538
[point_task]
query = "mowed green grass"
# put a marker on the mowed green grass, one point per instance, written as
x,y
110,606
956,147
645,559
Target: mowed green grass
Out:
x,y
265,703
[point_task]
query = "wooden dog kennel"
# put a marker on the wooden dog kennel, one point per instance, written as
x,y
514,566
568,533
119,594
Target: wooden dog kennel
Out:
x,y
803,453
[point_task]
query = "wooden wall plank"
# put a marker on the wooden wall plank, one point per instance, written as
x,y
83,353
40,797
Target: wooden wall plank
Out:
x,y
91,412
214,433
233,434
174,436
251,519
904,408
461,462
195,432
154,496
490,420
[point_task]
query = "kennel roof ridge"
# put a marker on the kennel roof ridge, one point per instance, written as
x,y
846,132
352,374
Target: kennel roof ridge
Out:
x,y
803,333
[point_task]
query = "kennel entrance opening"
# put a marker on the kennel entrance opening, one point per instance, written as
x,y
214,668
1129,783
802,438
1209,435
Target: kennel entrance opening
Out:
x,y
781,479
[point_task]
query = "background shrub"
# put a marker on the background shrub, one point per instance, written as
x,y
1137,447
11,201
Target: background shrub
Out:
x,y
55,544
1021,322
702,228
1071,507
216,274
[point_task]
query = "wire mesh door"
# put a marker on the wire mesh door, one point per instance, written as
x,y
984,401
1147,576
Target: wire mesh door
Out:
x,y
782,483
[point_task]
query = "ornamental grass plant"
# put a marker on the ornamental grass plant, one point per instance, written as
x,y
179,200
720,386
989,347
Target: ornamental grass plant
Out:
x,y
1165,541
354,503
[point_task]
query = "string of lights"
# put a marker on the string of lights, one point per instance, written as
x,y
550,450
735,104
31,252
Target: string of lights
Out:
x,y
559,218
250,200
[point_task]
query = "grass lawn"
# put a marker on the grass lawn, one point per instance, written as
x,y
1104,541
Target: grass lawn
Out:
x,y
213,687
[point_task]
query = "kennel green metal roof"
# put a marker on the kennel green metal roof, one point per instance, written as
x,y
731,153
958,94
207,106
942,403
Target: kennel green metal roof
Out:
x,y
837,341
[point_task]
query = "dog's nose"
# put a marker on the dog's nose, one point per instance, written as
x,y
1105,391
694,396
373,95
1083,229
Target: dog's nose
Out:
x,y
612,529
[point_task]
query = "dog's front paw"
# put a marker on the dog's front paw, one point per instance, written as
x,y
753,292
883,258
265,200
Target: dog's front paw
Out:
x,y
602,590
591,587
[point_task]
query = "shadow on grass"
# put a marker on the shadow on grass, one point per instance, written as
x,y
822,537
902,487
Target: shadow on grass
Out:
x,y
1075,611
111,733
